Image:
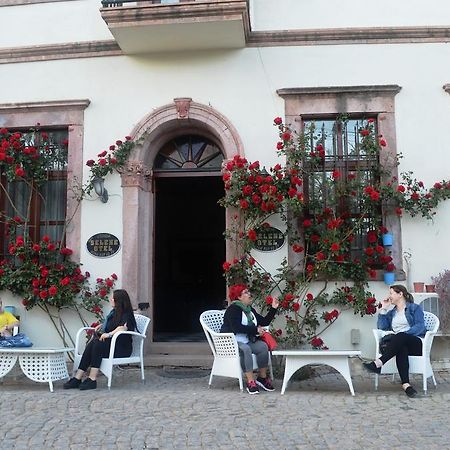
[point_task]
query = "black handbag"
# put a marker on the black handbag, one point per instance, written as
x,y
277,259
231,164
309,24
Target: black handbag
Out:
x,y
384,342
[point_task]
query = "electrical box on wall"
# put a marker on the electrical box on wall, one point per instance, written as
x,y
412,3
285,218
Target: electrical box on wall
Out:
x,y
355,336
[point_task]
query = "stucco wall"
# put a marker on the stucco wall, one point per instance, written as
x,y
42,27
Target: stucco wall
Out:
x,y
241,85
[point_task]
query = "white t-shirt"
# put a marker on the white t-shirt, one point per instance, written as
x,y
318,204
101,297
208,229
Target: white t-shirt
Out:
x,y
241,337
399,322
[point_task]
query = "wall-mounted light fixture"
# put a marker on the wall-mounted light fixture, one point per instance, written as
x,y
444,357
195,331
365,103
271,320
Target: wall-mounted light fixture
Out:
x,y
99,188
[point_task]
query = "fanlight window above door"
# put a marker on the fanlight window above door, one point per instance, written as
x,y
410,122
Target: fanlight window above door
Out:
x,y
189,153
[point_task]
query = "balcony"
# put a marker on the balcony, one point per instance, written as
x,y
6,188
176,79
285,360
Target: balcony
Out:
x,y
168,25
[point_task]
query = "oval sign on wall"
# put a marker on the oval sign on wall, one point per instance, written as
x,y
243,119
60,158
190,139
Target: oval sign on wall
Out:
x,y
103,245
269,239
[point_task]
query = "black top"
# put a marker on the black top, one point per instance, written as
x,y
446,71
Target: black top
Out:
x,y
124,341
232,321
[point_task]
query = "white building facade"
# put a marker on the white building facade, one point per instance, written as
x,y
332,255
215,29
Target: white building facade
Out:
x,y
213,74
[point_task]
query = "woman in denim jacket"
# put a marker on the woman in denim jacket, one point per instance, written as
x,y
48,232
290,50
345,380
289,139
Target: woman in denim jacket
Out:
x,y
401,318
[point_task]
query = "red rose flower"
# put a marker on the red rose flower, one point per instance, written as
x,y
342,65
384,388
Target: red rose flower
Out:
x,y
297,248
278,121
251,235
90,162
36,248
296,306
113,276
286,136
65,281
52,290
316,342
20,172
226,266
102,161
280,145
335,247
244,204
43,295
382,142
102,154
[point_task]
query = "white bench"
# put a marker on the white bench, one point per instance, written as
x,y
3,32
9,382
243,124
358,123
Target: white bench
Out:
x,y
43,365
338,359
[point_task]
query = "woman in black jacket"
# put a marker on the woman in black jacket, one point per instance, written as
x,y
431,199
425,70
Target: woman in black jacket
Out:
x,y
121,318
242,320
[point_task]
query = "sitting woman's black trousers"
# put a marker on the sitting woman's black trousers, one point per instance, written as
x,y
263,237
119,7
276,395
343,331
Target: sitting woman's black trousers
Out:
x,y
401,346
96,350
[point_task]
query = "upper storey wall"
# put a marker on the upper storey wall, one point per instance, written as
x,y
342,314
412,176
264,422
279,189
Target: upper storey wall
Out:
x,y
319,14
67,21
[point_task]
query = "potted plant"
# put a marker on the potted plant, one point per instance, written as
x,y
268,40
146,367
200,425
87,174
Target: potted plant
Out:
x,y
442,286
389,275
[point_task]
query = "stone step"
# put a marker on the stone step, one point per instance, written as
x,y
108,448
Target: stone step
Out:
x,y
159,360
177,348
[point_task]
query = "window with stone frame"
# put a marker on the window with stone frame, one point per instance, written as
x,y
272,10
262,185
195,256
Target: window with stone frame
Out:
x,y
320,107
40,209
346,160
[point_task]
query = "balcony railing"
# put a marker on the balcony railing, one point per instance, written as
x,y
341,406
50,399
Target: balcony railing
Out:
x,y
148,26
112,3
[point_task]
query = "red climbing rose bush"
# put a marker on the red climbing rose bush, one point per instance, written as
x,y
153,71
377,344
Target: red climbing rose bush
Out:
x,y
333,236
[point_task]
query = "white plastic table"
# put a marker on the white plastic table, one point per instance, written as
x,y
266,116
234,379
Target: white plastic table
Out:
x,y
43,365
338,359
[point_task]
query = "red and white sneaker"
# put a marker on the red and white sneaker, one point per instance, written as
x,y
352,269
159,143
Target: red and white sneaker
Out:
x,y
265,383
252,387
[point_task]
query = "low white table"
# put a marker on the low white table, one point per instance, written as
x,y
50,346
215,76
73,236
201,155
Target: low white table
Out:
x,y
43,365
295,359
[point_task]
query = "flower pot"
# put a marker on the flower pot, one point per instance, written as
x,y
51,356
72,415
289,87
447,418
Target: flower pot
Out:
x,y
388,239
430,288
389,277
419,286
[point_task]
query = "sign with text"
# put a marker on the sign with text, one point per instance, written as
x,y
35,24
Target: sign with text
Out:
x,y
269,239
103,245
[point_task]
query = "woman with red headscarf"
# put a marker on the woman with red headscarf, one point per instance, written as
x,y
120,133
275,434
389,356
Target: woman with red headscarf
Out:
x,y
242,320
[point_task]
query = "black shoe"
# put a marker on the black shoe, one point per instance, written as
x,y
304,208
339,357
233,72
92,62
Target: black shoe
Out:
x,y
88,384
73,383
252,387
410,392
371,367
265,383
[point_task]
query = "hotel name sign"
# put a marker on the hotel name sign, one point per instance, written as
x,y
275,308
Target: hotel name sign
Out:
x,y
269,239
103,245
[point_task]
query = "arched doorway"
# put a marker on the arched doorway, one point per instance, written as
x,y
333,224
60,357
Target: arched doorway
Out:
x,y
183,117
189,246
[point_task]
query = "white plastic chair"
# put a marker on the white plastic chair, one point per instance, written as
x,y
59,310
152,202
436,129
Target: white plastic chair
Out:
x,y
106,366
224,348
417,364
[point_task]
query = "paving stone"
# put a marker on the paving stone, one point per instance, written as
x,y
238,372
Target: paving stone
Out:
x,y
182,413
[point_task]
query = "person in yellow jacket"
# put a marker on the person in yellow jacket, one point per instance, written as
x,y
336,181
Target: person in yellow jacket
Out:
x,y
7,322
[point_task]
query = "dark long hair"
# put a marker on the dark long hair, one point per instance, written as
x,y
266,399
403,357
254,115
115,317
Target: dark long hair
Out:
x,y
122,306
399,288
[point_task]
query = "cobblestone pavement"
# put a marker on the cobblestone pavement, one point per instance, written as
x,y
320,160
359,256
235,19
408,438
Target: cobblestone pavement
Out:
x,y
176,410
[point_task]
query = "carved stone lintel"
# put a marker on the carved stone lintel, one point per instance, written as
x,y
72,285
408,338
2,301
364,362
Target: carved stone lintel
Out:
x,y
183,104
136,174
